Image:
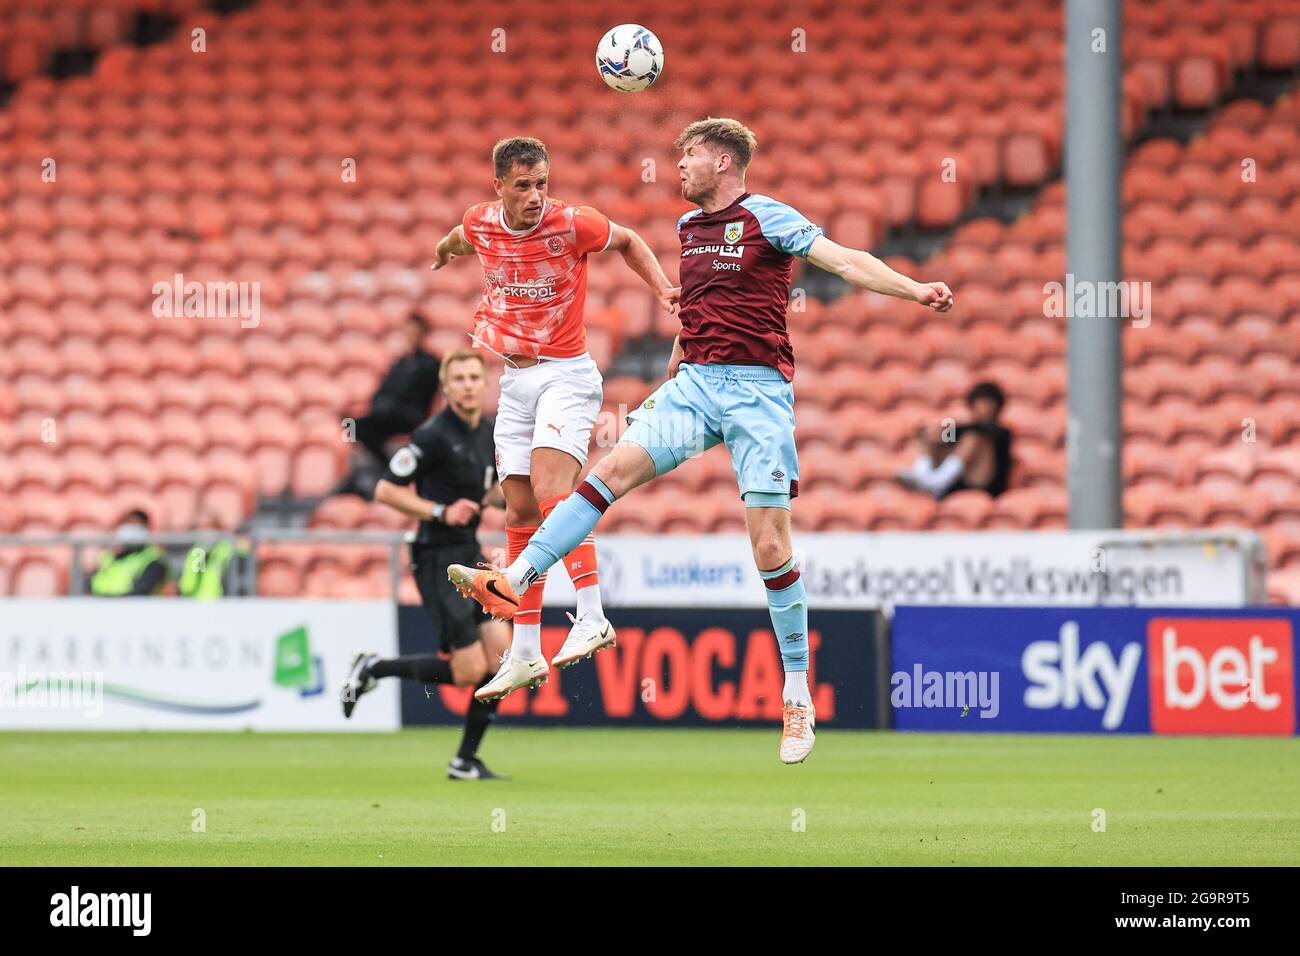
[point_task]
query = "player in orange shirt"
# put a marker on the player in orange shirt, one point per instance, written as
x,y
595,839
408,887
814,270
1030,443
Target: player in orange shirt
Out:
x,y
533,250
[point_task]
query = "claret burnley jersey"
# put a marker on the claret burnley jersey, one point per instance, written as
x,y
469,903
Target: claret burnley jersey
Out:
x,y
735,271
536,279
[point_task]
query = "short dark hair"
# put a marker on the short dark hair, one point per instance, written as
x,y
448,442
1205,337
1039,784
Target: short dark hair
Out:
x,y
419,320
522,150
987,390
729,135
137,515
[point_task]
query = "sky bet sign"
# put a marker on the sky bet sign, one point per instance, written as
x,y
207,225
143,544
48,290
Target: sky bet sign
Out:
x,y
1108,670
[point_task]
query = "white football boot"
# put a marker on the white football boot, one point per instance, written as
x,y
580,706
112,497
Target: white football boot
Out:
x,y
585,638
513,675
797,737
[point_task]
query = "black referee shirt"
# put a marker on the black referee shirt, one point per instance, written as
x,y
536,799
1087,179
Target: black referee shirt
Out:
x,y
447,460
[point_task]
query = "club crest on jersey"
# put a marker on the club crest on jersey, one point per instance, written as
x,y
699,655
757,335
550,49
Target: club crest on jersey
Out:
x,y
555,244
732,232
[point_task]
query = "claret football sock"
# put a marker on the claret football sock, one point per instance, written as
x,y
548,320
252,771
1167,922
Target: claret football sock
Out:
x,y
562,531
787,603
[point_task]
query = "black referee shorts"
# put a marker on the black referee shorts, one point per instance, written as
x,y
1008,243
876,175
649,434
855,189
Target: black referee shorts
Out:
x,y
455,619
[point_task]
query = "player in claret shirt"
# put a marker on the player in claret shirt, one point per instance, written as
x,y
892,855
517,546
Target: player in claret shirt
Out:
x,y
533,250
729,380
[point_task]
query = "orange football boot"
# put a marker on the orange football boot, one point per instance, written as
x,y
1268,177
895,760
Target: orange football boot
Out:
x,y
487,585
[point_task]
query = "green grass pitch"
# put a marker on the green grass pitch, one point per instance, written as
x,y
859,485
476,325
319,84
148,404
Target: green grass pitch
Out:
x,y
645,797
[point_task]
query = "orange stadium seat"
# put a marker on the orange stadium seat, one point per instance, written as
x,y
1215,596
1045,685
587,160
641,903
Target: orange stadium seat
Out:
x,y
165,403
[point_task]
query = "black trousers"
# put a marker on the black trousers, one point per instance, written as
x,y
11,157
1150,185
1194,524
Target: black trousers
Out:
x,y
455,619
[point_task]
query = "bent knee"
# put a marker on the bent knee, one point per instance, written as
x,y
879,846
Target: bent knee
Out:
x,y
469,673
523,517
770,554
627,466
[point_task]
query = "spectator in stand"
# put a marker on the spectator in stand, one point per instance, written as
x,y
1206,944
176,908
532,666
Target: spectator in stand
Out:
x,y
137,568
400,403
974,455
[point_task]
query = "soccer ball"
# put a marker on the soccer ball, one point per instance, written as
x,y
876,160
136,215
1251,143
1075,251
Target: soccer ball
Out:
x,y
629,58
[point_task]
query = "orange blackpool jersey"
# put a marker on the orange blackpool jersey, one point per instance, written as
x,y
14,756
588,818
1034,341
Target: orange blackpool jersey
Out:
x,y
536,279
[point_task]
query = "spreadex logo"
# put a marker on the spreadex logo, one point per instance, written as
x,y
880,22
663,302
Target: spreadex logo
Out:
x,y
734,252
1206,675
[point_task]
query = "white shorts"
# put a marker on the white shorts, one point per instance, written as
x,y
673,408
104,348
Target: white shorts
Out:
x,y
552,404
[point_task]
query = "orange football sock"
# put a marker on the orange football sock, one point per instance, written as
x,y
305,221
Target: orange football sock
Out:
x,y
581,565
528,619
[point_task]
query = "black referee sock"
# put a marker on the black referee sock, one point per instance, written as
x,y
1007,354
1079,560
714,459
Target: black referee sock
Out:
x,y
426,668
478,716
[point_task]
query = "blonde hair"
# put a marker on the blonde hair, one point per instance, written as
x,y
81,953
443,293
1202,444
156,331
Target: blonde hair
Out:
x,y
733,136
459,355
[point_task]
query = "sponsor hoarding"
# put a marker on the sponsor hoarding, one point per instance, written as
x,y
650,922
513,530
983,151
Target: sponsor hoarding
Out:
x,y
173,664
853,570
705,667
1107,670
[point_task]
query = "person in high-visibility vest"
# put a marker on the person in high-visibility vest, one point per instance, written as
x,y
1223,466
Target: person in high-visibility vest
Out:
x,y
137,567
204,574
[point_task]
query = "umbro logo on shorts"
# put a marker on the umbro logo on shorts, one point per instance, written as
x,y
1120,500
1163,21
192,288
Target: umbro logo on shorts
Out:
x,y
778,474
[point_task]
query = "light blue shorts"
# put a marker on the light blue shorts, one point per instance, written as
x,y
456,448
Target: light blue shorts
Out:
x,y
750,407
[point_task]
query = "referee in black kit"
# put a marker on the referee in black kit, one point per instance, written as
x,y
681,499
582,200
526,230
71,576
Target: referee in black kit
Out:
x,y
450,461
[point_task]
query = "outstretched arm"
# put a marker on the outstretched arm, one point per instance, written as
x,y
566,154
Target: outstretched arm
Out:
x,y
865,271
403,499
642,261
451,245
